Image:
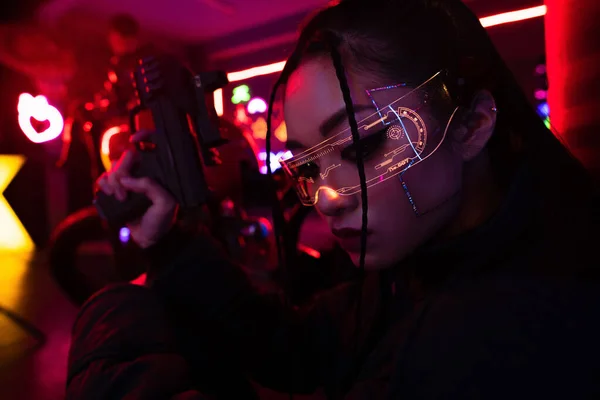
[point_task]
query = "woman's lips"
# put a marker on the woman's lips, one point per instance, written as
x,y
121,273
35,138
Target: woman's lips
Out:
x,y
343,233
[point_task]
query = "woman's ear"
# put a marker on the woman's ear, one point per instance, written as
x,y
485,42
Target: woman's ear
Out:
x,y
477,126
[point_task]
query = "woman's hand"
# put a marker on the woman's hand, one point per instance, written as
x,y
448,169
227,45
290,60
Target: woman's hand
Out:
x,y
159,218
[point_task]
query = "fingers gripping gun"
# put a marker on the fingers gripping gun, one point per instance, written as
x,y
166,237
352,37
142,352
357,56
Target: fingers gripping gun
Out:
x,y
184,136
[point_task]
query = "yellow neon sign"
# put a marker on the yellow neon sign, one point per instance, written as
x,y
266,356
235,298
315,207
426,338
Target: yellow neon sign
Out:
x,y
13,235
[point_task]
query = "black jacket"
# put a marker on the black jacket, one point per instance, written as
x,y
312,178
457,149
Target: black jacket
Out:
x,y
507,311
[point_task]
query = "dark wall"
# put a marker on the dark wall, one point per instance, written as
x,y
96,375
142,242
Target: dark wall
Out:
x,y
16,10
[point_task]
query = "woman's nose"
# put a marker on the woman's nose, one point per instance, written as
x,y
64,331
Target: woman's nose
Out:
x,y
331,203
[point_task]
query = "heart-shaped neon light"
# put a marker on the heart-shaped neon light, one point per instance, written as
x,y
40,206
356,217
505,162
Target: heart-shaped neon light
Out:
x,y
39,109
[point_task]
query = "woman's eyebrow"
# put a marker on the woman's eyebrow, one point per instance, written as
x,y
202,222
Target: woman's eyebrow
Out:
x,y
338,117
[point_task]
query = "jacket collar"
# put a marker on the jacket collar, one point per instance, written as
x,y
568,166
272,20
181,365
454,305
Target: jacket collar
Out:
x,y
479,248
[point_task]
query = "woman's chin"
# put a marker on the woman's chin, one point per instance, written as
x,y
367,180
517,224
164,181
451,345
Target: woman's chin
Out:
x,y
372,261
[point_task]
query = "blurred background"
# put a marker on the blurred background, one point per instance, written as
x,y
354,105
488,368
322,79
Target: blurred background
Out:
x,y
64,70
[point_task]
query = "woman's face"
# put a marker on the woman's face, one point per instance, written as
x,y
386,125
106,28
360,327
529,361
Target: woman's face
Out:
x,y
312,97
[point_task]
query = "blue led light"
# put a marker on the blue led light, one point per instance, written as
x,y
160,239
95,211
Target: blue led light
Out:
x,y
124,235
543,109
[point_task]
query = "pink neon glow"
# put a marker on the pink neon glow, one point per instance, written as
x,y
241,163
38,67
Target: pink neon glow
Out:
x,y
541,94
257,106
39,109
140,280
514,16
309,250
256,71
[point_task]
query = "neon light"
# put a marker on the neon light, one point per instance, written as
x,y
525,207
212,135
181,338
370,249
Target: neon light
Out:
x,y
105,144
543,109
140,280
241,94
39,109
514,16
257,106
547,123
218,101
256,71
241,118
259,128
262,156
124,235
265,227
309,250
541,94
13,235
281,132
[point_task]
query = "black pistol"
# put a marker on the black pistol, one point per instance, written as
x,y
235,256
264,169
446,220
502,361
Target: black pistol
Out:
x,y
185,134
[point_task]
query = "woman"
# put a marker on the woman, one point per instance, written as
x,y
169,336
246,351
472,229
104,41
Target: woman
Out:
x,y
471,221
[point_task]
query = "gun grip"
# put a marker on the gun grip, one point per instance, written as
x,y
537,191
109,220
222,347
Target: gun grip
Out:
x,y
118,213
